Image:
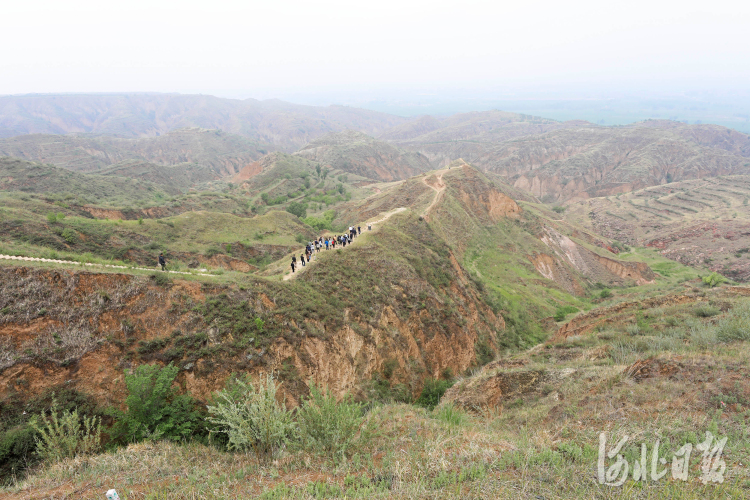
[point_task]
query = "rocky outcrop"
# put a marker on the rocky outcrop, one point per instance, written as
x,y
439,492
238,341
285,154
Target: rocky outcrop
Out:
x,y
496,385
636,271
587,263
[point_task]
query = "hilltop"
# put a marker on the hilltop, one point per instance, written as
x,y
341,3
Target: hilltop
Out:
x,y
365,156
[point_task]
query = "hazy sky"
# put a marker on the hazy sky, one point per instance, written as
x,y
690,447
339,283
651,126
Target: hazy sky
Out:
x,y
271,48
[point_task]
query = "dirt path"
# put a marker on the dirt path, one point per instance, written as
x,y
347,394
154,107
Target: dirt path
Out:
x,y
300,269
439,188
71,262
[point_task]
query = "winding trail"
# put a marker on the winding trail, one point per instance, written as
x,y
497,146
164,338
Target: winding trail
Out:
x,y
72,262
439,188
300,269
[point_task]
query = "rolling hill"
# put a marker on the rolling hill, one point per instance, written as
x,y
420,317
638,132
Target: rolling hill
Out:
x,y
359,154
284,125
575,160
221,153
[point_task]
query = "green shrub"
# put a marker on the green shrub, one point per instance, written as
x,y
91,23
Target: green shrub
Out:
x,y
559,209
432,391
69,235
154,409
65,434
736,326
605,294
251,417
713,279
17,446
700,334
484,351
706,311
633,329
161,279
563,311
298,209
326,425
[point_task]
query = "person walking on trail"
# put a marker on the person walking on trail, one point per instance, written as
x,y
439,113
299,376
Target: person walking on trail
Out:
x,y
302,258
359,230
162,262
369,227
294,261
326,242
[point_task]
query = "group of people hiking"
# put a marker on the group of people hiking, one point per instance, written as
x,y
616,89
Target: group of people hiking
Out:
x,y
326,243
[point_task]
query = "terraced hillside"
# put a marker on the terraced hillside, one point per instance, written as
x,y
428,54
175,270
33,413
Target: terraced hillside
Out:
x,y
702,223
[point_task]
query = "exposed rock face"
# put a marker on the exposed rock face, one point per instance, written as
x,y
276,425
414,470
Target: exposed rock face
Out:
x,y
651,368
497,384
252,169
636,271
484,203
95,325
584,262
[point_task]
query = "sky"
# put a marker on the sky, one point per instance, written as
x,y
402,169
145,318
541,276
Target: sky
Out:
x,y
276,49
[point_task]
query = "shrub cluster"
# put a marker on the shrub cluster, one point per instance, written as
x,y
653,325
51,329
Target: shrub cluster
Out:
x,y
253,420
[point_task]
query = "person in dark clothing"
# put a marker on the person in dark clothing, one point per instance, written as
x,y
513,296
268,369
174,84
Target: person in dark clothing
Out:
x,y
162,262
294,261
359,229
302,258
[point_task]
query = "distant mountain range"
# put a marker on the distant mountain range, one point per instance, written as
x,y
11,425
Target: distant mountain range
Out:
x,y
284,125
217,138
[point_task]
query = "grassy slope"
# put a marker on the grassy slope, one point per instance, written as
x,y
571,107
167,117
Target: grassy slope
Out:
x,y
20,175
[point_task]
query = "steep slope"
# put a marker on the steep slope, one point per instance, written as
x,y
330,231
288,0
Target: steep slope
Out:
x,y
219,152
362,155
284,125
529,262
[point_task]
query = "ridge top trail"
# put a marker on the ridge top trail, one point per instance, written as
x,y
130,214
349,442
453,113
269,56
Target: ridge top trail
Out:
x,y
300,269
439,188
